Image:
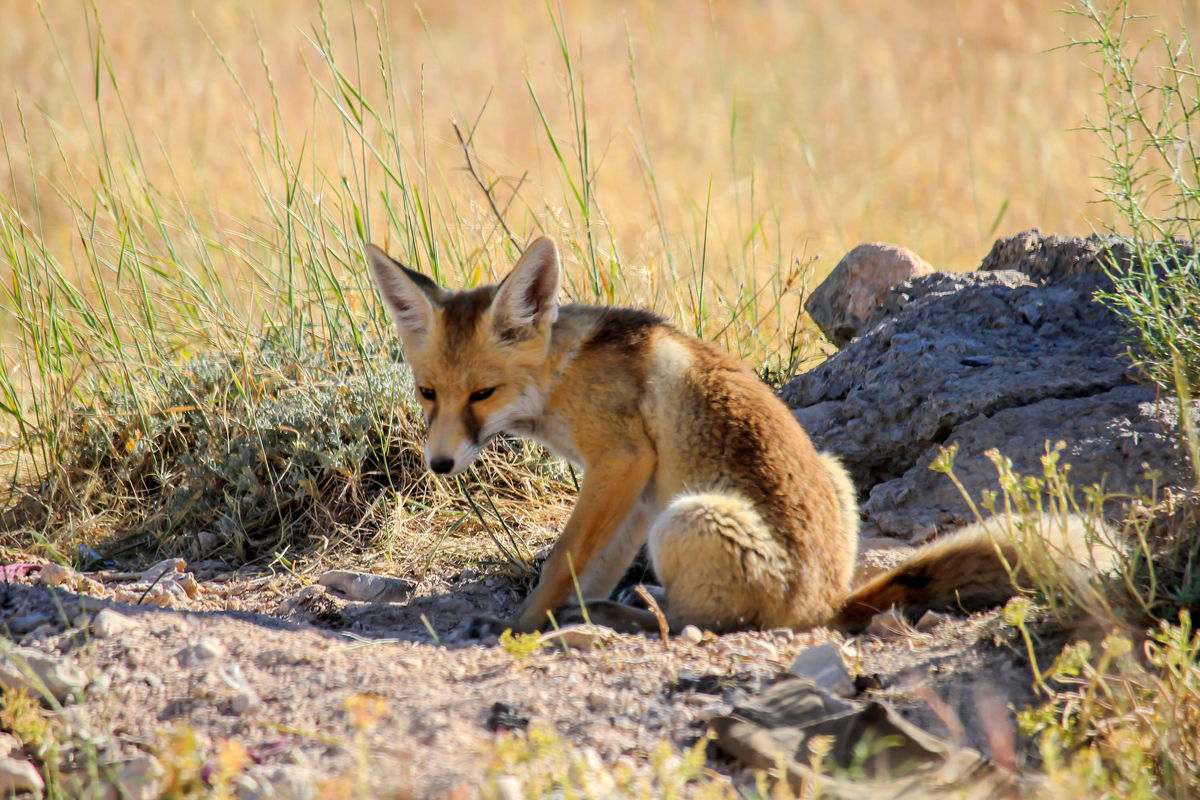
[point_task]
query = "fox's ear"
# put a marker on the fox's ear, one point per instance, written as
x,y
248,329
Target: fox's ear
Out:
x,y
410,297
528,296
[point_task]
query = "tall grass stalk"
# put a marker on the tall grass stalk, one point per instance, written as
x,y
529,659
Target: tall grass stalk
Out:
x,y
174,370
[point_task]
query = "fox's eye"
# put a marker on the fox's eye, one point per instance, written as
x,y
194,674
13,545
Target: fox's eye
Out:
x,y
427,393
481,394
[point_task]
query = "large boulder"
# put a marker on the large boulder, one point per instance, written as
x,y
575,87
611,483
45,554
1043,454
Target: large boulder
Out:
x,y
1012,356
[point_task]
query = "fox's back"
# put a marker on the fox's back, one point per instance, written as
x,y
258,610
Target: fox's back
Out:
x,y
714,425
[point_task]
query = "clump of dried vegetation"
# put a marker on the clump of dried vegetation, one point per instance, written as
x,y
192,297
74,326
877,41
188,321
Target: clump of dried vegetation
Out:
x,y
192,361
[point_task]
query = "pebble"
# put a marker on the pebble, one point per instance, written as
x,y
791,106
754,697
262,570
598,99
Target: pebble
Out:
x,y
580,636
280,782
823,666
55,575
36,672
204,650
366,587
244,701
785,635
187,582
206,542
19,776
508,787
758,648
929,620
139,778
162,570
691,634
888,624
110,623
8,745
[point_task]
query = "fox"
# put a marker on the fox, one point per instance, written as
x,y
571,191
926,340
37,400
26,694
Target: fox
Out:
x,y
683,449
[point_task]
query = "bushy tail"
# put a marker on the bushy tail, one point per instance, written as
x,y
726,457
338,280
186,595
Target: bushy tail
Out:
x,y
973,568
847,498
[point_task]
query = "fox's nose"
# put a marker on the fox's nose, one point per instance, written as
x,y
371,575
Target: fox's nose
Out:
x,y
441,464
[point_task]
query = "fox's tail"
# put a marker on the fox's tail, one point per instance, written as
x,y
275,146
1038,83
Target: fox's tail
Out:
x,y
974,568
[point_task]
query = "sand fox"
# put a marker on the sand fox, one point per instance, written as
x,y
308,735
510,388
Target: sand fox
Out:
x,y
683,449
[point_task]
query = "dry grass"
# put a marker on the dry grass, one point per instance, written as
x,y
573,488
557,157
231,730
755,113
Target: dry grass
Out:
x,y
785,128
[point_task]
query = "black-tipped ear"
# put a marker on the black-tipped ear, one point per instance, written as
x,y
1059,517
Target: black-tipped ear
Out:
x,y
410,297
528,296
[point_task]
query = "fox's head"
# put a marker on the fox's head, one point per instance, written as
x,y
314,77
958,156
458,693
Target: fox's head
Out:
x,y
478,357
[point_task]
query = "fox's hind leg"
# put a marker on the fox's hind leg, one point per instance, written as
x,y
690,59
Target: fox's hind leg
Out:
x,y
723,569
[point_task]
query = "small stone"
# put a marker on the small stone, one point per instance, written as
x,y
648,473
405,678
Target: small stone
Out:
x,y
244,701
91,604
366,587
204,650
581,636
691,634
929,620
761,649
508,787
162,570
8,745
37,673
137,778
823,666
888,624
206,542
467,574
19,776
110,623
283,782
312,590
187,582
55,575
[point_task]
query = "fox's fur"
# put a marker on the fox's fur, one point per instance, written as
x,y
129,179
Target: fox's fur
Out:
x,y
975,567
682,447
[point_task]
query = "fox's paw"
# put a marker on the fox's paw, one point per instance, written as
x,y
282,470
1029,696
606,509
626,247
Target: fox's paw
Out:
x,y
483,626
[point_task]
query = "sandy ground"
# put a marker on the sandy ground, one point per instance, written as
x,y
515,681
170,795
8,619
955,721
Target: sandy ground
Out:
x,y
272,663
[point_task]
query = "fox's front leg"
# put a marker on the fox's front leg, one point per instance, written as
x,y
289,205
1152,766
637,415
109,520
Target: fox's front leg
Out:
x,y
607,497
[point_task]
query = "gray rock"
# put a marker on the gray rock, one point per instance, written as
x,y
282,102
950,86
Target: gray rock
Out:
x,y
823,666
19,626
1111,438
1008,357
19,776
366,587
110,623
204,650
857,286
1051,258
929,620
